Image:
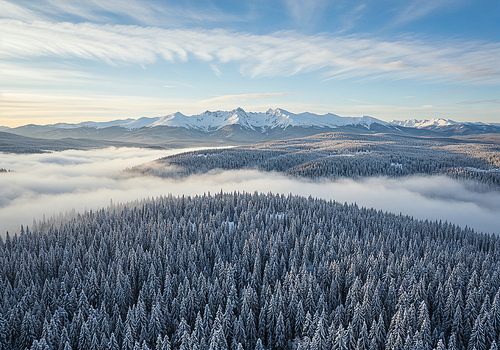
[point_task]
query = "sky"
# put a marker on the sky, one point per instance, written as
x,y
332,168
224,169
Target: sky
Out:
x,y
99,60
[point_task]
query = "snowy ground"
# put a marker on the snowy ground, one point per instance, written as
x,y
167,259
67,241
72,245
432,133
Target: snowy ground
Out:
x,y
483,170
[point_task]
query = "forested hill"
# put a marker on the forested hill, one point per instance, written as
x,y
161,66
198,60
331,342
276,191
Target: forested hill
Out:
x,y
249,271
12,143
336,155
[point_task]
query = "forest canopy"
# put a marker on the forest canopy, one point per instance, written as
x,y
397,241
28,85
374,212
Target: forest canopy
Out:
x,y
342,155
248,271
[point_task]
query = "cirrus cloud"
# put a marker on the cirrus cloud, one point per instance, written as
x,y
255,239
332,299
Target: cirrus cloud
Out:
x,y
277,54
243,97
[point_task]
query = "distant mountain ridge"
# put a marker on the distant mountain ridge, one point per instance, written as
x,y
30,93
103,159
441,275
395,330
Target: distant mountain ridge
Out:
x,y
435,122
211,121
237,127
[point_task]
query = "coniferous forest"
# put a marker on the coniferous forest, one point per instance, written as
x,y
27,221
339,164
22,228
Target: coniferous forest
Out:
x,y
342,155
248,271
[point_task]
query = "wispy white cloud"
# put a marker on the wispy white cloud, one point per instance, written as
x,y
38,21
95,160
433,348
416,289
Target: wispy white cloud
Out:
x,y
242,97
278,54
415,10
493,101
216,70
305,12
349,19
449,92
24,73
12,10
359,101
171,14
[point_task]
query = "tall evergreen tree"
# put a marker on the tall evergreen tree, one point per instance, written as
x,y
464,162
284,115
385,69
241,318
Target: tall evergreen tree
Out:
x,y
478,338
341,339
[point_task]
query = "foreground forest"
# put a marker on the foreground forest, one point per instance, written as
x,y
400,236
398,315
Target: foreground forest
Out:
x,y
336,155
248,271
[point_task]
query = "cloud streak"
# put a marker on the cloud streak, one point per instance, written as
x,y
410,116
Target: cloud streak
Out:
x,y
449,92
305,12
58,182
17,74
415,10
277,54
11,10
493,101
243,97
107,11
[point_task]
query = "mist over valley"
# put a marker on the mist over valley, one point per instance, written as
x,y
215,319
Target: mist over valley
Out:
x,y
53,183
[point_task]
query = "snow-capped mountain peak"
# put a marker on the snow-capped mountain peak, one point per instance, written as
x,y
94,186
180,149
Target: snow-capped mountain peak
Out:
x,y
437,122
368,121
272,118
174,119
238,116
408,123
424,123
215,120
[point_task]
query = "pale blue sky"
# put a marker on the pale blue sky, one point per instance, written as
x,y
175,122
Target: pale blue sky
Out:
x,y
100,60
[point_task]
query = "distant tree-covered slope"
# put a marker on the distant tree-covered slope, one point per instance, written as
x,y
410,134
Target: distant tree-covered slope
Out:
x,y
248,271
12,143
334,155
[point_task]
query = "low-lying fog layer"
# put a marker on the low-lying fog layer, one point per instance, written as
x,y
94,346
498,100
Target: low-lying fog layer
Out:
x,y
59,182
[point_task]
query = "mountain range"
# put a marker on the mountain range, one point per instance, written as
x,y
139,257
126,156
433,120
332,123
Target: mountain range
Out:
x,y
273,118
240,127
211,121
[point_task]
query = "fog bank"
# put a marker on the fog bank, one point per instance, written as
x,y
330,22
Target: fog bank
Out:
x,y
59,182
